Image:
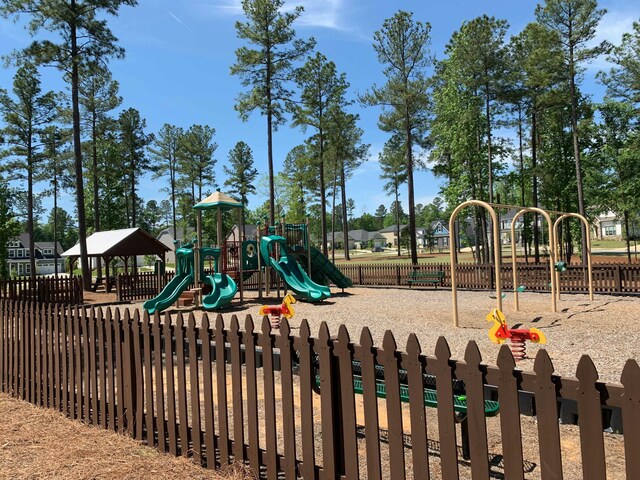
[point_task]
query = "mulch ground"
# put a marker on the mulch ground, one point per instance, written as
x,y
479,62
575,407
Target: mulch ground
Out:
x,y
41,443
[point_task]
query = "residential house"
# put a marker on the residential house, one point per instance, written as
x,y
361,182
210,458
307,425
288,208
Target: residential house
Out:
x,y
250,233
358,239
166,236
45,253
436,236
390,234
608,226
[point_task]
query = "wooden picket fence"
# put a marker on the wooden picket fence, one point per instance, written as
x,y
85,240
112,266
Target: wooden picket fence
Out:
x,y
146,285
223,394
63,289
607,278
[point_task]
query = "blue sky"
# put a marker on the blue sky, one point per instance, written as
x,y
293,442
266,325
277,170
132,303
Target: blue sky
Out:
x,y
178,54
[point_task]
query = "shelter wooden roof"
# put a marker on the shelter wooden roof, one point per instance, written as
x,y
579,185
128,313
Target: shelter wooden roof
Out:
x,y
120,243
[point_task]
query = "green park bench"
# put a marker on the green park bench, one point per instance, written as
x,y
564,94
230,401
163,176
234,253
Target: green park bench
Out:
x,y
425,277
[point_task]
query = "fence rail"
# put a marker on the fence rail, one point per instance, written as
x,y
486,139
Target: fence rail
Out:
x,y
607,278
223,395
65,289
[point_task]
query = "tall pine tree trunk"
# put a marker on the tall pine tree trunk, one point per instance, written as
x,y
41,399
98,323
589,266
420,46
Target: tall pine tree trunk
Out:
x,y
412,207
576,152
534,163
77,155
96,199
345,223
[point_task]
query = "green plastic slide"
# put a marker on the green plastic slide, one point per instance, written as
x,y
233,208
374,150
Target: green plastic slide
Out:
x,y
224,289
169,294
291,272
322,267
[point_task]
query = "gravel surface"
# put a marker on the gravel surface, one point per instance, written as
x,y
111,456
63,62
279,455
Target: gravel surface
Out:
x,y
607,328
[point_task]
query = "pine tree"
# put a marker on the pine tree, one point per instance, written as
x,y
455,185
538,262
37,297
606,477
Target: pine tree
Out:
x,y
575,22
133,143
402,45
241,175
268,67
9,227
83,34
323,89
26,118
165,157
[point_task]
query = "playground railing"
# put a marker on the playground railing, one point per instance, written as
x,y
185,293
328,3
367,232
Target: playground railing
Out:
x,y
223,394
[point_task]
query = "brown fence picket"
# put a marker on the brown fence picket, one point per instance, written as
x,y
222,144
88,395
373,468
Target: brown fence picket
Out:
x,y
475,412
343,349
446,426
389,359
171,391
147,352
331,441
630,378
367,357
118,332
73,348
266,342
49,352
233,337
158,340
194,389
93,368
209,430
102,366
86,363
139,384
307,380
64,355
547,412
590,421
510,416
111,372
414,365
249,340
221,390
284,343
128,373
36,356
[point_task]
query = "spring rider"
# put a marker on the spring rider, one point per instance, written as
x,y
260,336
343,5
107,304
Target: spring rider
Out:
x,y
276,312
500,332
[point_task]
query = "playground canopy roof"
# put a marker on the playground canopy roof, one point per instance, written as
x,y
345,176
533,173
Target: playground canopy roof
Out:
x,y
120,243
218,200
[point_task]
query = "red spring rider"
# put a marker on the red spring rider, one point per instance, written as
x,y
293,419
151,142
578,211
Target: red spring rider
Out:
x,y
500,332
276,312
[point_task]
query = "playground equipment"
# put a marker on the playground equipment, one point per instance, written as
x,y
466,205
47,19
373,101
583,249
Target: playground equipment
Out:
x,y
237,259
217,292
276,312
500,333
559,268
553,251
178,284
290,271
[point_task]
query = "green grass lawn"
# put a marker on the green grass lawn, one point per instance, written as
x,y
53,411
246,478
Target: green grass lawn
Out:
x,y
604,244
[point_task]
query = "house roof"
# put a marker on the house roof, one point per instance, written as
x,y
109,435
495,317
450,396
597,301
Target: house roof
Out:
x,y
357,236
25,241
218,200
179,232
125,242
392,228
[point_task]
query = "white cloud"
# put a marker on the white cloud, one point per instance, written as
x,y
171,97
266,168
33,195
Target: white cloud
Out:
x,y
611,27
322,13
317,13
222,7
